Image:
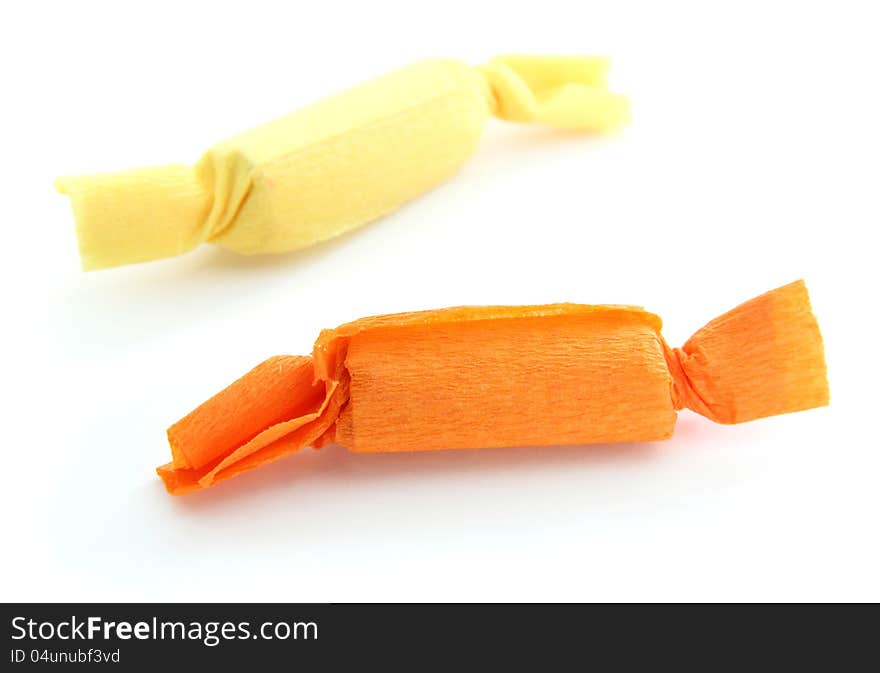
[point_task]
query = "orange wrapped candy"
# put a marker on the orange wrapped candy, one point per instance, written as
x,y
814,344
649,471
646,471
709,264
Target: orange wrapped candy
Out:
x,y
474,377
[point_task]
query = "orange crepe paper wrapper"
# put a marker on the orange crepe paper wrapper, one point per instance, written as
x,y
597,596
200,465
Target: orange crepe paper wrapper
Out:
x,y
473,377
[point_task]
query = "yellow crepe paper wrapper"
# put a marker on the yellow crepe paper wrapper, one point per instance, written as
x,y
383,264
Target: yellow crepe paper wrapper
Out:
x,y
335,165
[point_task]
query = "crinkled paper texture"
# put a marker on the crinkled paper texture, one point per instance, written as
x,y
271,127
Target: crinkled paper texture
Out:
x,y
474,377
335,165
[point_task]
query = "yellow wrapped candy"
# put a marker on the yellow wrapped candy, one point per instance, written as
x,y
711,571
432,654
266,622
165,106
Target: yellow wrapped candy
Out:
x,y
335,165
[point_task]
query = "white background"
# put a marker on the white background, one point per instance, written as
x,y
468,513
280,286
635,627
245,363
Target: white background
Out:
x,y
751,161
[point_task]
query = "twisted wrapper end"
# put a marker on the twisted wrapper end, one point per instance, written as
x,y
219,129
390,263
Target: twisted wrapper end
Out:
x,y
276,409
144,214
137,215
562,91
763,358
